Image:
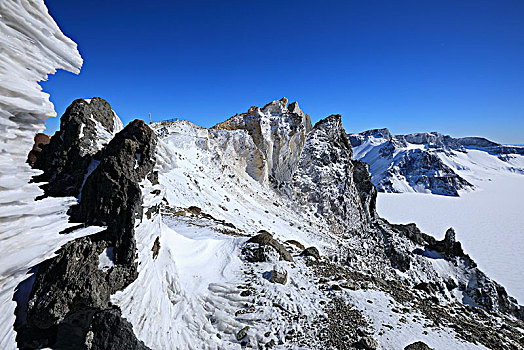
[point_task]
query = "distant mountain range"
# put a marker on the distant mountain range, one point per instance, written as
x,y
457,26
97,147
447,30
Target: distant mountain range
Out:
x,y
432,162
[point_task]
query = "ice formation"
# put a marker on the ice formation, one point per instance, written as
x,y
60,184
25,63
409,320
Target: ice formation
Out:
x,y
32,47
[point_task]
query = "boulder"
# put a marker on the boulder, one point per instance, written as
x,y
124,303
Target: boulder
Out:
x,y
418,345
312,252
278,276
263,240
368,343
241,334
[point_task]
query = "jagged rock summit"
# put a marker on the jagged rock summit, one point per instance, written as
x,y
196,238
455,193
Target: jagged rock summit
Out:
x,y
429,162
279,133
85,128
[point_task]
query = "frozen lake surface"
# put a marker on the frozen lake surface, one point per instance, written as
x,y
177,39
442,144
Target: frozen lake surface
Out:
x,y
489,222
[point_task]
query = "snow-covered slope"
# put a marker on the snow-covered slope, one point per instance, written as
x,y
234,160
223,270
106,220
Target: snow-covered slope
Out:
x,y
432,162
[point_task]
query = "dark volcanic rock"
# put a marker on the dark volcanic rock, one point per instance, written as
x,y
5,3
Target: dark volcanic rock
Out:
x,y
111,195
109,331
265,239
366,189
85,128
71,287
449,245
399,259
418,345
311,251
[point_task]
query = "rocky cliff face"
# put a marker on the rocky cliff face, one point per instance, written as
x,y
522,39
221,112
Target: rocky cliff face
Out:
x,y
69,305
279,133
425,162
325,177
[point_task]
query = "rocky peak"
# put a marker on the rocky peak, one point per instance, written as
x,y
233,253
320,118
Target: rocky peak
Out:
x,y
85,128
278,132
90,123
326,177
332,130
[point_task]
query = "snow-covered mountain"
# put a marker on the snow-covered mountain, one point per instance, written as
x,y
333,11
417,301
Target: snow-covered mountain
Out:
x,y
261,232
432,162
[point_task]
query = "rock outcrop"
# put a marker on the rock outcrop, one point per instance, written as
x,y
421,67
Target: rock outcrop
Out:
x,y
279,133
69,305
85,128
325,177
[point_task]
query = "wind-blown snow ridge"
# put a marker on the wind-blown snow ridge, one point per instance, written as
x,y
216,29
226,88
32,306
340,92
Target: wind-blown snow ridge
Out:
x,y
32,47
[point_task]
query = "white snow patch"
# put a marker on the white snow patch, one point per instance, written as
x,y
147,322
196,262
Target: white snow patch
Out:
x,y
397,330
106,259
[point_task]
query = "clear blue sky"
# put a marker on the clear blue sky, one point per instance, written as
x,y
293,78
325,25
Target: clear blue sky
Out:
x,y
451,66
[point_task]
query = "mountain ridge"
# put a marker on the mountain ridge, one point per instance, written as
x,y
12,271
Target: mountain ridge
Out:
x,y
427,162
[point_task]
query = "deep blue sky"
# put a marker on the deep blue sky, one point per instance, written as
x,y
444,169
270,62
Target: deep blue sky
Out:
x,y
451,66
